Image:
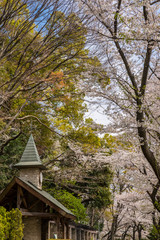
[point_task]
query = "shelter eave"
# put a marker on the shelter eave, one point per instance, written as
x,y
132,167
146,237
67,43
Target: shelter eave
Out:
x,y
29,165
7,189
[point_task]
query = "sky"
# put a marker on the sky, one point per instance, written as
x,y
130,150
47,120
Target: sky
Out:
x,y
96,112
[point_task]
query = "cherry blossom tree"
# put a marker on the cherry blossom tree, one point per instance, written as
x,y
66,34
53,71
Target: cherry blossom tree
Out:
x,y
125,36
131,212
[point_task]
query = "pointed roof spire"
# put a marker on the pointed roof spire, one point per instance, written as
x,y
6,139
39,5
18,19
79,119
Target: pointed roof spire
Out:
x,y
30,157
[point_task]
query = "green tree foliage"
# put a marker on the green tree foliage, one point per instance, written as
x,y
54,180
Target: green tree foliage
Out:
x,y
71,202
96,184
85,179
12,153
154,233
42,64
42,60
11,226
83,194
87,136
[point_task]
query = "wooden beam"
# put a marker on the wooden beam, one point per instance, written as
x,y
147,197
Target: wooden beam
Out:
x,y
23,198
24,210
38,214
18,197
35,203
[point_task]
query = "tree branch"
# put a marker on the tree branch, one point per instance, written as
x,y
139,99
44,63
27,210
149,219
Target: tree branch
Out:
x,y
8,141
116,17
146,68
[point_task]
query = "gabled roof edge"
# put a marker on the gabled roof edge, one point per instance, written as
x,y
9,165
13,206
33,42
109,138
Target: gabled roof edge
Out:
x,y
6,190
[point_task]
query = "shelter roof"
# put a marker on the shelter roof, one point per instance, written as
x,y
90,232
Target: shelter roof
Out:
x,y
40,194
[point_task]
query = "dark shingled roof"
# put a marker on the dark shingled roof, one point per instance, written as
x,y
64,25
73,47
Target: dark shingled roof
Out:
x,y
30,157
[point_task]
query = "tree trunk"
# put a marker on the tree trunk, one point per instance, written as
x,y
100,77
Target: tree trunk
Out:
x,y
134,233
139,229
114,227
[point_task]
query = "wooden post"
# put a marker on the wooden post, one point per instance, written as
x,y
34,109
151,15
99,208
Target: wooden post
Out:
x,y
80,233
49,230
88,236
64,230
58,226
75,233
18,197
67,231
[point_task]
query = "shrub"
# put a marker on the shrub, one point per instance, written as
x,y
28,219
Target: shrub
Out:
x,y
11,226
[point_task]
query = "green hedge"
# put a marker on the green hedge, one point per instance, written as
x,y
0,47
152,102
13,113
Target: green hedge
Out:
x,y
11,226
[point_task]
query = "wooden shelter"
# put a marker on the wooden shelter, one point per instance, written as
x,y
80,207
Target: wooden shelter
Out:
x,y
43,216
